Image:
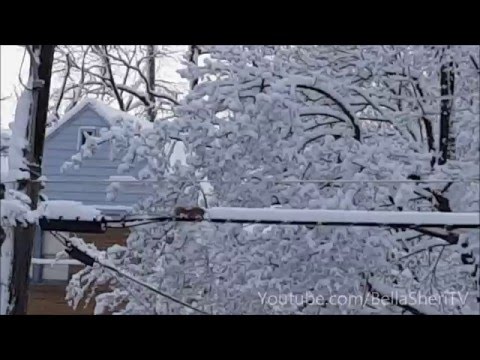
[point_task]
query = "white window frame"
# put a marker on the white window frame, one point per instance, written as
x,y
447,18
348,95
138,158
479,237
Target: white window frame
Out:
x,y
80,132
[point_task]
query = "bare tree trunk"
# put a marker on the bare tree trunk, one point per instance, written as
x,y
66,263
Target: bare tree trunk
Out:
x,y
151,81
193,58
23,244
64,84
447,85
111,79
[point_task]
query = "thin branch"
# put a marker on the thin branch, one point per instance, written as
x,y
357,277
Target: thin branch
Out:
x,y
342,106
127,72
425,249
323,124
111,78
64,84
392,301
317,138
474,62
375,119
369,101
434,270
451,238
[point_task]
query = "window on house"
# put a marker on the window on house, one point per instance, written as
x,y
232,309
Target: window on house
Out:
x,y
83,133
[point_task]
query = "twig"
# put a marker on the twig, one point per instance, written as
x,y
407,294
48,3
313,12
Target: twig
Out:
x,y
422,250
392,301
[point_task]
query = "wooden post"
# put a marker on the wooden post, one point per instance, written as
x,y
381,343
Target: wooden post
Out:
x,y
24,236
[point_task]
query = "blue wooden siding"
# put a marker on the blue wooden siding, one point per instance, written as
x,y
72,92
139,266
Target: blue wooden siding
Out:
x,y
75,185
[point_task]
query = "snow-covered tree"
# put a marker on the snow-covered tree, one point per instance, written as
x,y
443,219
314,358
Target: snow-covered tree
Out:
x,y
260,122
132,78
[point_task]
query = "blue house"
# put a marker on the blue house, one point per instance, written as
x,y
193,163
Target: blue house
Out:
x,y
86,184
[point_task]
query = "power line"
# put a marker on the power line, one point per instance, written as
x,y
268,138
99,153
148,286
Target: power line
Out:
x,y
279,216
124,224
88,260
150,287
293,181
127,223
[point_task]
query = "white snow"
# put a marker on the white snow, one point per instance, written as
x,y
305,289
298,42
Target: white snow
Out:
x,y
3,168
426,244
18,140
244,128
6,258
178,153
347,216
12,209
66,209
41,261
88,249
122,178
113,207
399,295
108,113
5,135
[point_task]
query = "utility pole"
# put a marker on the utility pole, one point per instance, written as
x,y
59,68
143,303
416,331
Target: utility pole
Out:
x,y
40,73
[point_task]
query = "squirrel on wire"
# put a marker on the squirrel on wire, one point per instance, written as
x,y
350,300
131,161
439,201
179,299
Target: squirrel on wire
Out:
x,y
194,213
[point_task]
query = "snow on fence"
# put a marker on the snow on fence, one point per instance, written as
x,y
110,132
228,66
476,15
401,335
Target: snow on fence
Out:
x,y
40,261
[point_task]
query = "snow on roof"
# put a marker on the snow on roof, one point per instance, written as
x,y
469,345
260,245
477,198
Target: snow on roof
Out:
x,y
110,114
105,111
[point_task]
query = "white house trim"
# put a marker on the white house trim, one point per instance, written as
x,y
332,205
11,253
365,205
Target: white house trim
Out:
x,y
92,129
104,111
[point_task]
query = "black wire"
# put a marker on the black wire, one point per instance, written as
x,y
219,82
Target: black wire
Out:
x,y
86,259
280,222
147,286
59,238
140,223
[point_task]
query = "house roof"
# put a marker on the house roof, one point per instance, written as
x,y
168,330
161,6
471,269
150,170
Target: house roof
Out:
x,y
108,113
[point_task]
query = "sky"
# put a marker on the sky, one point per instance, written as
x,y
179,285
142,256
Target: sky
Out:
x,y
10,61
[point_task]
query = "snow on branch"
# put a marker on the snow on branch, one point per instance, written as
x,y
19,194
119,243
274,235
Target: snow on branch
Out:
x,y
245,128
396,297
18,140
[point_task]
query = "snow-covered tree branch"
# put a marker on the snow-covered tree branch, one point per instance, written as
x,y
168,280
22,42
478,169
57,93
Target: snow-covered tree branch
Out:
x,y
260,115
128,76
